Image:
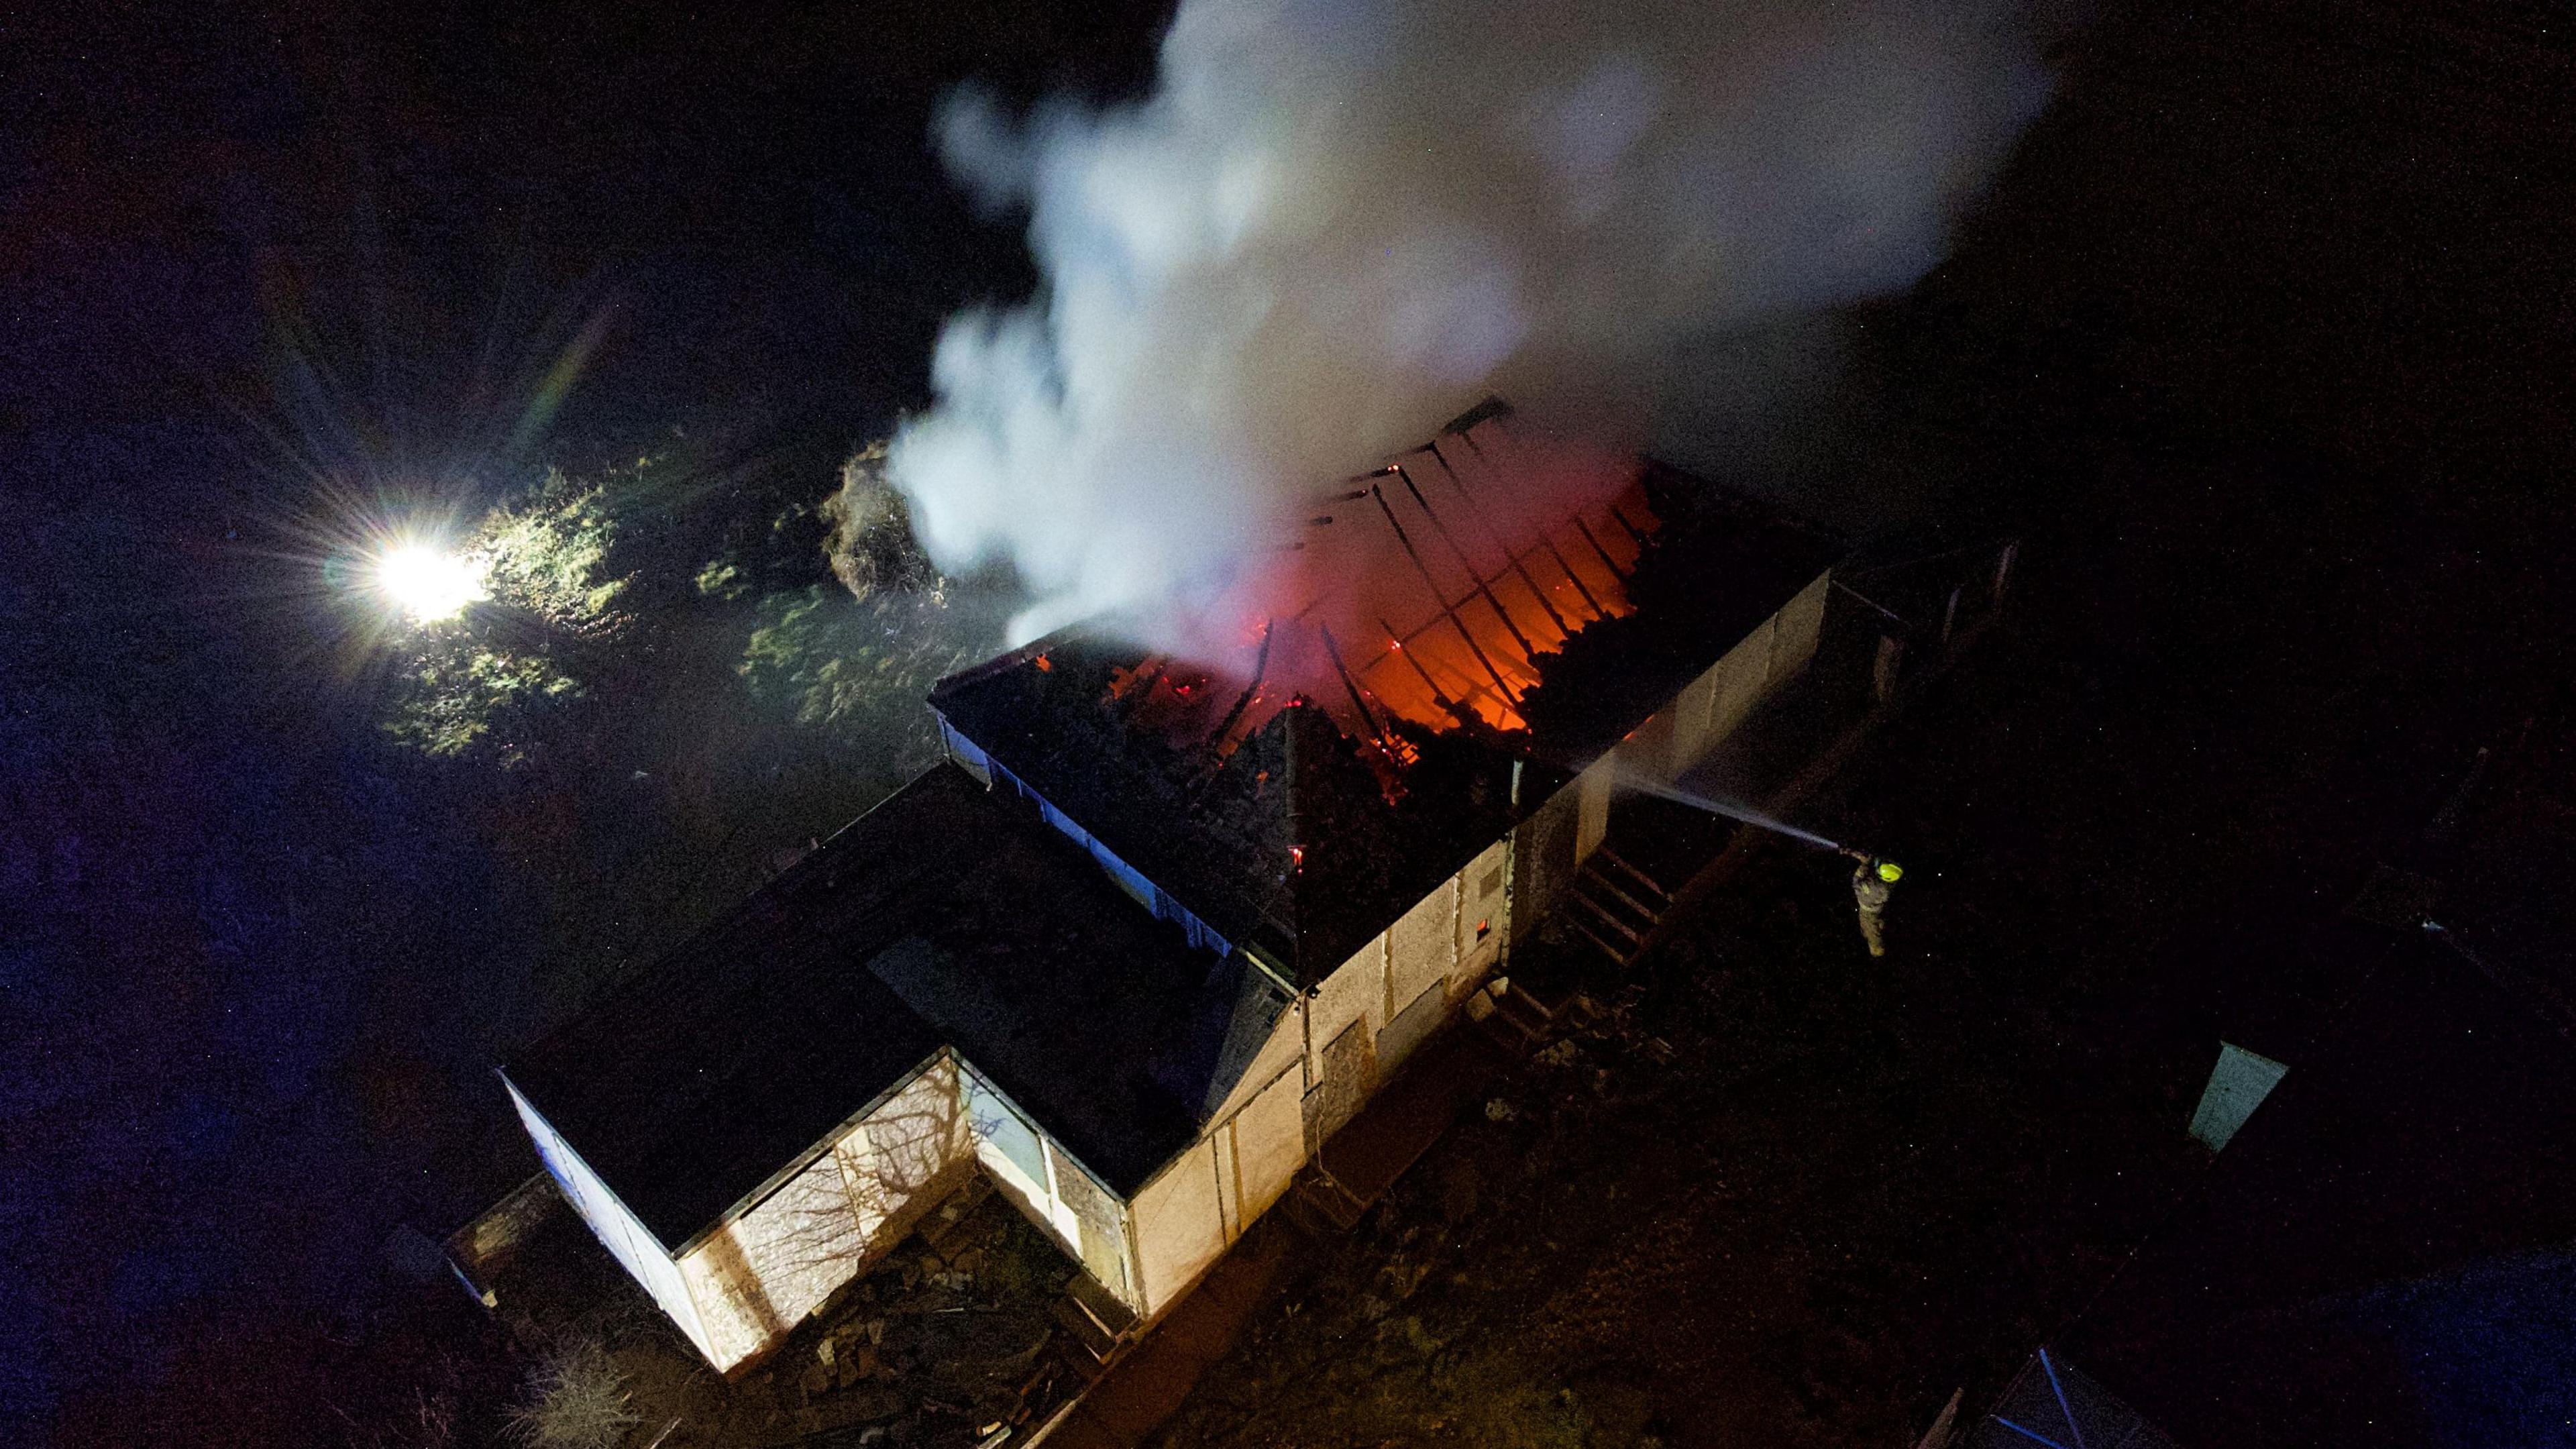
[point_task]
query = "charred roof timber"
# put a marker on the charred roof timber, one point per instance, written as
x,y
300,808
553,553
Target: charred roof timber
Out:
x,y
1296,840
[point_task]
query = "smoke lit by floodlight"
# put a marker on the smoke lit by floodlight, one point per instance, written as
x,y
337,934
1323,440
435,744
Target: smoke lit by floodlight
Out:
x,y
429,583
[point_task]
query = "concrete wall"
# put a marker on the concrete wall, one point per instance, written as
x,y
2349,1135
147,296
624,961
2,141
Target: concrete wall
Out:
x,y
1592,792
1049,1185
1801,624
1711,706
1542,854
1326,1055
758,1276
1100,1220
739,1289
1209,1195
1485,916
1433,955
1283,1048
755,1278
1268,1142
1422,949
1699,719
1179,1227
627,1240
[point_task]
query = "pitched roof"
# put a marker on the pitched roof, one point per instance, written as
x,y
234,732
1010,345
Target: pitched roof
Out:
x,y
946,916
1287,844
1288,838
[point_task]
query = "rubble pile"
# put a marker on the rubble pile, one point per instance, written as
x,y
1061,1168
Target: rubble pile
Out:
x,y
945,1344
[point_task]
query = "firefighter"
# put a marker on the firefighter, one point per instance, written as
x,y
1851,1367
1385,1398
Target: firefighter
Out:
x,y
1873,880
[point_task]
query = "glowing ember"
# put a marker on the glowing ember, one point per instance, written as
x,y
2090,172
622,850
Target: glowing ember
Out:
x,y
1426,604
1432,598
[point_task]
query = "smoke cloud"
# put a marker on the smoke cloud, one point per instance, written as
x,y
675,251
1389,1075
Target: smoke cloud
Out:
x,y
1337,223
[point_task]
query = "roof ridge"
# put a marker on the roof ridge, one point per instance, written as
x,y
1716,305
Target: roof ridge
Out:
x,y
1008,659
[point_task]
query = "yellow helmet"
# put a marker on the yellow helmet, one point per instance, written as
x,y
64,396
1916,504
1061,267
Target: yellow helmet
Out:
x,y
1890,872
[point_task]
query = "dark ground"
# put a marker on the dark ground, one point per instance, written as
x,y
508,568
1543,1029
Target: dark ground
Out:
x,y
2262,342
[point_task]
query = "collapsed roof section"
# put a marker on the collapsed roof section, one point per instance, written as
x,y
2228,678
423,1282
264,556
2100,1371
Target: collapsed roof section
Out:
x,y
1300,817
1436,584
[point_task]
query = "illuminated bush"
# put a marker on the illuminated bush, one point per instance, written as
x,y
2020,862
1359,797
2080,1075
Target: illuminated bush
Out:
x,y
576,1400
548,599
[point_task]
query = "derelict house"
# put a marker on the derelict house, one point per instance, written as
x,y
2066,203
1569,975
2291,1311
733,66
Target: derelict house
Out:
x,y
1150,935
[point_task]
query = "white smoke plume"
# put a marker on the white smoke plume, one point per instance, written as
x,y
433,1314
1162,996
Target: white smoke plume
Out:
x,y
1337,223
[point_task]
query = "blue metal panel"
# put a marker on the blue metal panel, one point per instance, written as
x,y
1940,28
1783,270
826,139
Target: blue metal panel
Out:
x,y
1149,895
999,1123
964,751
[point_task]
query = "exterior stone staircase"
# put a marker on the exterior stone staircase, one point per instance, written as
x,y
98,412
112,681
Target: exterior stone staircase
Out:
x,y
1097,1327
1615,906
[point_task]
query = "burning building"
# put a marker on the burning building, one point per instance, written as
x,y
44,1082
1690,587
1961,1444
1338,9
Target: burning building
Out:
x,y
1163,920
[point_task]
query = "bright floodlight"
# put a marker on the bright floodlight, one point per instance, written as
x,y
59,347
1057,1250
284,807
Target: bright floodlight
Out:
x,y
429,583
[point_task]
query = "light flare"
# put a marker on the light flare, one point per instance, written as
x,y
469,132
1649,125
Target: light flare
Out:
x,y
429,583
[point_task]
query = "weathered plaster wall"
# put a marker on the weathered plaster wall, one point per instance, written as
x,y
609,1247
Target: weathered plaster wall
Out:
x,y
759,1275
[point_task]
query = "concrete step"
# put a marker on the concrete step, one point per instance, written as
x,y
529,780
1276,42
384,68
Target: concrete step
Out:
x,y
1106,1309
1526,1012
1596,883
1085,1333
1601,915
1643,883
1619,955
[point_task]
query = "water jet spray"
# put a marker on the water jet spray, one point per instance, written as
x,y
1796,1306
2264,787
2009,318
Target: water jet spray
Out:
x,y
1732,809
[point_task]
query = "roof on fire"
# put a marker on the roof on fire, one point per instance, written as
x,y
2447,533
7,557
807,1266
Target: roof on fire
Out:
x,y
948,915
1290,843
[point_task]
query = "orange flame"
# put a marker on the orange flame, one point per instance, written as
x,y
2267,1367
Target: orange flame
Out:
x,y
1426,594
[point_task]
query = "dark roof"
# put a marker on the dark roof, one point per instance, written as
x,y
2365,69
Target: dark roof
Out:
x,y
1225,842
1223,834
947,915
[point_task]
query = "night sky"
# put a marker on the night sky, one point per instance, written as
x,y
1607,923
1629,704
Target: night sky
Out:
x,y
256,961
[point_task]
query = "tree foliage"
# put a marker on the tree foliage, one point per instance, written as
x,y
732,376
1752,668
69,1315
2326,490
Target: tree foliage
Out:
x,y
871,544
856,668
855,662
452,697
548,557
476,682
